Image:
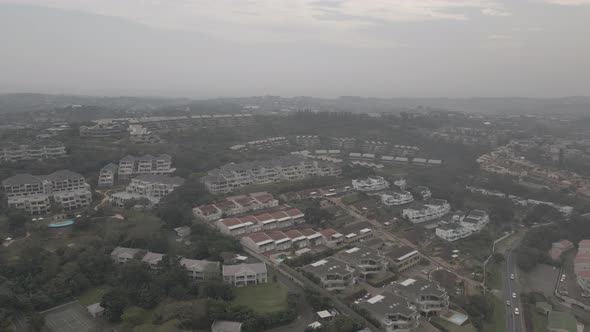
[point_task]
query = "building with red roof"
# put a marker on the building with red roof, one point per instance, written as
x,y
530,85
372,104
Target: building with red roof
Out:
x,y
236,205
582,266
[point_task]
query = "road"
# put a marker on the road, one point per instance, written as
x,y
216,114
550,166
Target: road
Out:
x,y
514,323
394,237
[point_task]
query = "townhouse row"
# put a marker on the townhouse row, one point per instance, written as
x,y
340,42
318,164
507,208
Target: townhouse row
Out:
x,y
294,239
238,275
394,160
235,205
262,222
36,193
21,151
288,168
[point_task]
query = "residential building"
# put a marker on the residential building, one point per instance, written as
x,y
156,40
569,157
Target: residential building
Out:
x,y
369,184
331,273
138,134
226,326
35,194
150,187
558,248
475,221
263,222
429,210
261,242
268,143
393,312
122,255
452,232
106,177
374,146
582,266
152,259
245,274
424,192
396,197
38,150
331,237
199,270
365,260
404,150
288,168
428,296
166,123
308,141
403,258
344,143
102,129
131,166
235,205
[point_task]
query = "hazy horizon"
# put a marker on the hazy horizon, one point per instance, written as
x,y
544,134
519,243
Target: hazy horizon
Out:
x,y
326,48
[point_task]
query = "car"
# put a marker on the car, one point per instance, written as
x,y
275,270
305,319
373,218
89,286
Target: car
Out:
x,y
368,295
508,303
513,295
516,311
512,277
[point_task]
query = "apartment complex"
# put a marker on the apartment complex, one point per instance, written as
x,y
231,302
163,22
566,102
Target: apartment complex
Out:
x,y
403,258
138,134
372,183
235,205
393,312
262,144
263,242
461,225
396,197
344,143
245,274
288,168
131,166
262,222
107,175
13,151
308,141
427,296
332,273
149,186
102,129
36,193
432,209
365,260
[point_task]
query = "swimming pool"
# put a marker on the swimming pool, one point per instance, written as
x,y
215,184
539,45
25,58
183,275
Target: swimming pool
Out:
x,y
64,223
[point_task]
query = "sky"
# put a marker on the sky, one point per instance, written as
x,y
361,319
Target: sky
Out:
x,y
323,48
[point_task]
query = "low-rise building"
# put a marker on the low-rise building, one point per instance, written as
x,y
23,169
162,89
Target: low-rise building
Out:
x,y
475,221
198,270
393,312
369,184
38,150
245,274
263,222
235,205
106,177
130,166
102,129
122,255
149,187
308,141
365,260
428,296
138,134
403,258
226,326
423,191
331,237
429,210
397,197
452,232
331,273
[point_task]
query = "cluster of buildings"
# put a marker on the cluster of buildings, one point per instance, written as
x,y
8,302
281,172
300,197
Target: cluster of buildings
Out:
x,y
308,141
393,160
238,275
149,187
471,136
394,197
370,184
37,193
431,209
39,150
103,129
288,168
262,144
235,205
138,134
298,240
261,222
461,226
131,166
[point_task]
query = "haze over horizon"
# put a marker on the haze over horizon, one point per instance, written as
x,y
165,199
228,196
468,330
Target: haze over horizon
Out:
x,y
321,48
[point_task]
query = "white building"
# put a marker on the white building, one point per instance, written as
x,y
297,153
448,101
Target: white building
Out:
x,y
393,312
106,177
245,274
13,152
374,183
131,166
35,194
397,197
452,232
475,221
141,135
102,129
150,187
430,210
235,205
332,273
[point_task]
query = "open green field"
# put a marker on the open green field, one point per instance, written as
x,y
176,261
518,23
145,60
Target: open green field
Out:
x,y
263,298
497,323
539,320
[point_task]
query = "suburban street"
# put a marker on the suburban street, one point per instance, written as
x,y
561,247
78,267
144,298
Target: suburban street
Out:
x,y
514,323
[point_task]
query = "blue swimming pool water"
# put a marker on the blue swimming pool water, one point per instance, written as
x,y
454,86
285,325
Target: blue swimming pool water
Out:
x,y
61,224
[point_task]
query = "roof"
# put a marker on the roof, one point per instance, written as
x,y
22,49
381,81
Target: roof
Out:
x,y
328,265
584,244
401,253
354,255
416,286
232,270
562,321
277,235
109,167
262,197
164,179
226,326
294,234
152,257
19,179
387,303
294,213
198,265
260,238
208,209
280,215
231,222
95,308
328,232
123,251
63,175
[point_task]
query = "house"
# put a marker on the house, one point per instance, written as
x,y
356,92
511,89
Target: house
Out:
x,y
183,231
396,197
123,255
95,310
258,242
131,166
428,296
429,210
558,248
282,241
423,191
475,221
403,258
356,232
199,270
331,273
226,326
245,274
393,312
370,184
106,177
331,237
365,260
150,187
152,259
235,205
452,232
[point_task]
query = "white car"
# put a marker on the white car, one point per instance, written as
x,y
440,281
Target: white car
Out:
x,y
512,277
516,311
508,303
513,295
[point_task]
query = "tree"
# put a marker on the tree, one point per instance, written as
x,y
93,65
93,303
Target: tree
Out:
x,y
114,302
315,215
37,321
17,220
133,316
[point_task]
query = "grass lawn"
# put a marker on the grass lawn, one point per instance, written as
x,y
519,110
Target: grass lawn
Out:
x,y
539,320
454,328
92,295
169,326
494,275
263,298
497,323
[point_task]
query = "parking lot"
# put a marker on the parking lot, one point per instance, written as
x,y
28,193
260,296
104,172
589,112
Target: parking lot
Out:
x,y
71,317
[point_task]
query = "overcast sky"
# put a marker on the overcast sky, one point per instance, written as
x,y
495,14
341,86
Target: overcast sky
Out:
x,y
381,48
